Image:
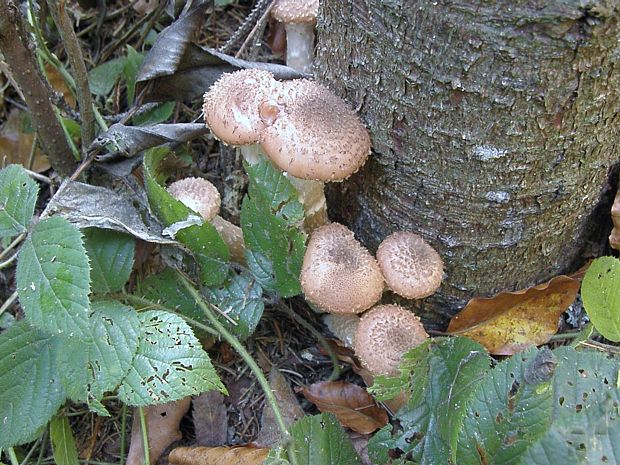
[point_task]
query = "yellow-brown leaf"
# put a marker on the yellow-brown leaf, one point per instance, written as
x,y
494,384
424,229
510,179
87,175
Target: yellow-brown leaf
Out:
x,y
351,404
511,321
245,455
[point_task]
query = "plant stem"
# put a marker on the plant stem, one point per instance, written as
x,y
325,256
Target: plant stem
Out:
x,y
8,302
247,358
145,437
122,439
12,456
14,42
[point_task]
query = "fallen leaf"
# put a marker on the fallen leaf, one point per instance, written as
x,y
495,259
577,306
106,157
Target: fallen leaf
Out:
x,y
512,321
290,409
351,404
16,138
614,237
210,419
245,455
162,425
58,83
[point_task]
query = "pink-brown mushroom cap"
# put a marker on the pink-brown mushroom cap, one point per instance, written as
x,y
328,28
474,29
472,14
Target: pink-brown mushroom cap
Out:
x,y
338,274
295,11
312,134
231,105
384,334
410,266
197,194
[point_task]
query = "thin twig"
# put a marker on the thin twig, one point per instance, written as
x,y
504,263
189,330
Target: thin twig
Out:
x,y
259,26
256,12
8,302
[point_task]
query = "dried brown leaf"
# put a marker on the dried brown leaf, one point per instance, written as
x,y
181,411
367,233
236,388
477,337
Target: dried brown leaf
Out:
x,y
162,425
210,419
245,455
511,321
351,404
16,142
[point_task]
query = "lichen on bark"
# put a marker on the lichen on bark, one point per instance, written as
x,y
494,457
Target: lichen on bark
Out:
x,y
494,127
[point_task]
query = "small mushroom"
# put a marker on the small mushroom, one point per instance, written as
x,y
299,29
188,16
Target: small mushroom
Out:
x,y
411,267
384,334
203,197
338,274
299,18
311,134
231,108
343,326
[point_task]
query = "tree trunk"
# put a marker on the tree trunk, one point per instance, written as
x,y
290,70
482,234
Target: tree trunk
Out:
x,y
494,127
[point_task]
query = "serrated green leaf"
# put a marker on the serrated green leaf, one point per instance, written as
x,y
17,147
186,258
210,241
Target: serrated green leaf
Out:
x,y
202,240
170,363
511,409
30,387
53,278
18,196
111,258
433,417
63,443
101,79
159,114
241,300
600,292
93,367
270,219
320,439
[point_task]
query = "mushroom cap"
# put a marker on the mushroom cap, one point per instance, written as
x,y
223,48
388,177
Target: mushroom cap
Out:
x,y
198,194
338,274
295,11
312,134
384,334
231,105
411,267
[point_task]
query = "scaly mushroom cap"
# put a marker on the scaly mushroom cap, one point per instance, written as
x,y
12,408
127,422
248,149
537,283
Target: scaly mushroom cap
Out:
x,y
338,274
198,194
231,105
295,11
384,334
312,134
411,267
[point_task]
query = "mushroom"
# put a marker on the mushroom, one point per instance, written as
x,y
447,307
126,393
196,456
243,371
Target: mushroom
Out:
x,y
231,109
343,326
411,267
202,197
299,18
311,134
338,274
384,334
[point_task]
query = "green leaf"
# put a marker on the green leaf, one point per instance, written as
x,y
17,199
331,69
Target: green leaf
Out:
x,y
30,387
130,71
271,215
18,196
96,366
111,258
433,417
600,292
101,79
170,363
63,443
202,240
320,439
511,408
53,279
159,114
241,300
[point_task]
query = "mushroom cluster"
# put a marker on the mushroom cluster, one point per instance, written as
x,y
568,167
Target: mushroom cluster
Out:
x,y
341,277
305,129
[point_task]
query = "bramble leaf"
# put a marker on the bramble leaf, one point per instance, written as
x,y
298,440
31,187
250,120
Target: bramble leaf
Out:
x,y
53,278
600,292
30,387
170,363
63,442
18,196
111,258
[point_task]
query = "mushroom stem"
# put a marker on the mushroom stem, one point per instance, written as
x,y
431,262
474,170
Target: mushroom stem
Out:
x,y
232,236
312,197
343,326
300,46
252,153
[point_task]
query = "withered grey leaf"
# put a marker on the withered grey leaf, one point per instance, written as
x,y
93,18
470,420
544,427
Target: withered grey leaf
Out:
x,y
89,206
210,419
130,140
177,69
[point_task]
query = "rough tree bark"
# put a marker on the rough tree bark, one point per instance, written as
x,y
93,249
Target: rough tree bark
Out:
x,y
494,126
